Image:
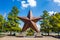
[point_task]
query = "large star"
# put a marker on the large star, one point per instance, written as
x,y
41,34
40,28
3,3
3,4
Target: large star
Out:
x,y
30,21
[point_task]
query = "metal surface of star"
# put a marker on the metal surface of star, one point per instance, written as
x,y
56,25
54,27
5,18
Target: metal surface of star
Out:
x,y
30,22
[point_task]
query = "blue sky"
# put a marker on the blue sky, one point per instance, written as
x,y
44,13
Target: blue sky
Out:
x,y
41,5
37,6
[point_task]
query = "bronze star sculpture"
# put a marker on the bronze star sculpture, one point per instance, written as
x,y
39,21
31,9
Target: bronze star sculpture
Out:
x,y
30,21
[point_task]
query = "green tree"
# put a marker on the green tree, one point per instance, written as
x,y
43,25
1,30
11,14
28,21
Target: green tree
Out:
x,y
30,32
2,20
55,22
13,21
45,22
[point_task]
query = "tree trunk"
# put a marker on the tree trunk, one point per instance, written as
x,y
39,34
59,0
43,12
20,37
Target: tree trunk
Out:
x,y
48,33
10,33
45,33
58,33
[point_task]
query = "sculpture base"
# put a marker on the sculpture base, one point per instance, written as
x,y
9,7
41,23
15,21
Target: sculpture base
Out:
x,y
38,34
22,34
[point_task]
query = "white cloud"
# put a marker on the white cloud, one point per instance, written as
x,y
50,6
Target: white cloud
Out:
x,y
24,4
31,3
57,1
51,12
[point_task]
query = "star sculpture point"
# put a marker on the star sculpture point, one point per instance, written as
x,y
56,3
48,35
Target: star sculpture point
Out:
x,y
30,22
